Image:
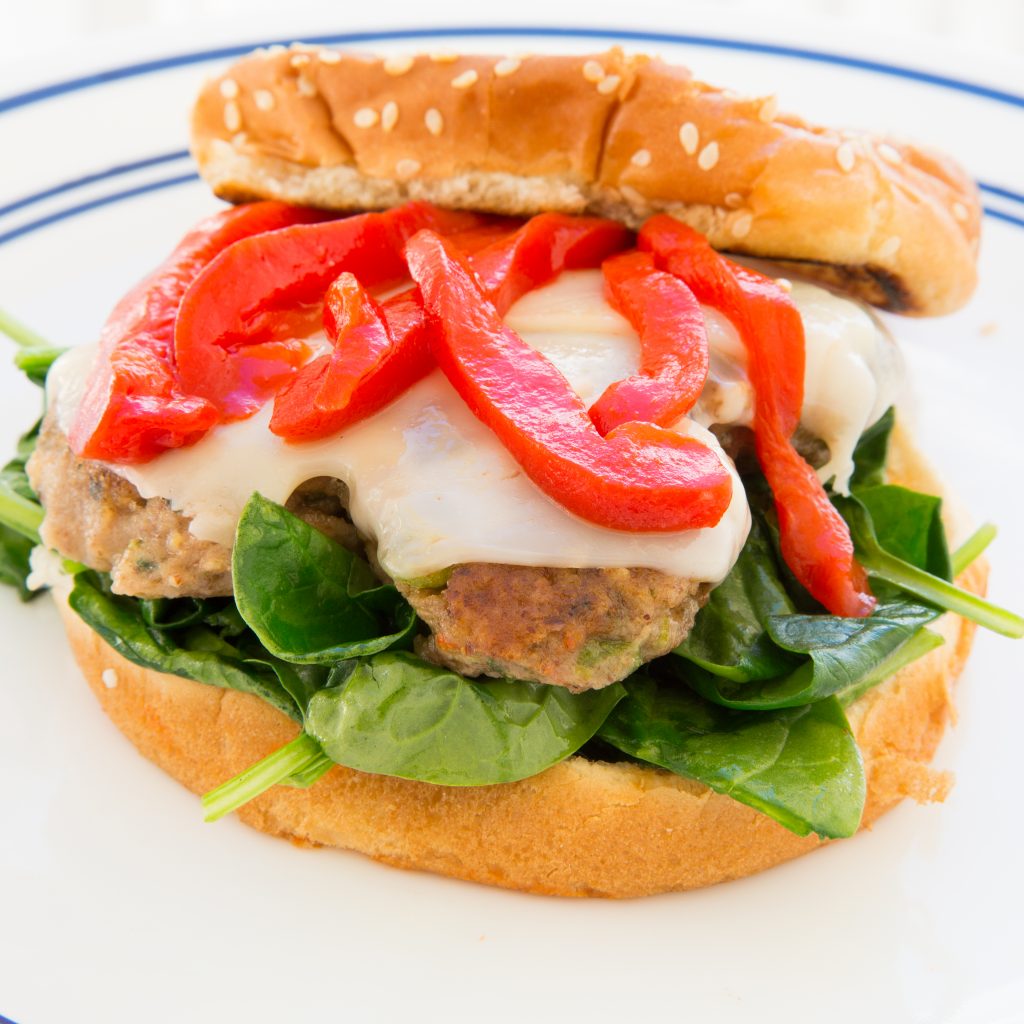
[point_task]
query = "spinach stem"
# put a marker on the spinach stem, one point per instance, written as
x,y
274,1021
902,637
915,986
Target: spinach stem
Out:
x,y
303,755
972,547
20,514
20,334
939,592
33,359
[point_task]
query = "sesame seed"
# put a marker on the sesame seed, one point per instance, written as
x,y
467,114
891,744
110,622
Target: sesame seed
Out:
x,y
365,117
740,227
434,121
689,137
407,167
109,677
389,115
708,156
784,283
960,212
398,65
232,116
444,57
264,99
890,247
641,158
305,86
329,57
239,139
506,67
593,71
299,60
889,153
229,88
845,157
465,80
634,198
733,199
608,85
769,108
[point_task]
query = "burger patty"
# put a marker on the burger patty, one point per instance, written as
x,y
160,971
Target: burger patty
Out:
x,y
578,628
99,519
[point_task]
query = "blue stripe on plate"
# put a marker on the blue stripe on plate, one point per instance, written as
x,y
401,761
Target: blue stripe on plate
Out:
x,y
5,1020
1002,215
998,190
92,204
627,35
91,179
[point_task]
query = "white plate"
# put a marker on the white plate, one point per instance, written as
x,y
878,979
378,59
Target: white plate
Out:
x,y
118,904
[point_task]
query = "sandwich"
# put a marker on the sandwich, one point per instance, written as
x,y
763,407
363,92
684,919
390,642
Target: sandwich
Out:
x,y
509,484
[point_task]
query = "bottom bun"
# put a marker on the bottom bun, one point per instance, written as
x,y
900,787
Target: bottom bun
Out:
x,y
581,828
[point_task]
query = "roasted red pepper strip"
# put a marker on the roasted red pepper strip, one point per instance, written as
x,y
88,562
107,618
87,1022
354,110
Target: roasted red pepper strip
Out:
x,y
639,477
134,407
814,538
330,393
673,345
226,345
541,249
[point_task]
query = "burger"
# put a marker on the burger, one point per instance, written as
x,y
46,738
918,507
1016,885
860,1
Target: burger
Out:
x,y
452,499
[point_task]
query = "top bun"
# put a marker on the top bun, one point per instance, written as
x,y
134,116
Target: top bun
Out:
x,y
623,136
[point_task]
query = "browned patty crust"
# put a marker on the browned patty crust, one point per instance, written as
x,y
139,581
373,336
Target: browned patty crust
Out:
x,y
579,628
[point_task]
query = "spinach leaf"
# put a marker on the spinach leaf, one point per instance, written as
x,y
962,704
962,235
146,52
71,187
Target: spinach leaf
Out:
x,y
197,651
909,525
730,636
800,766
397,715
20,516
840,653
907,573
923,641
753,650
308,599
872,451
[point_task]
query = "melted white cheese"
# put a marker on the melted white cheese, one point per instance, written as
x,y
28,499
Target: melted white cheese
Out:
x,y
435,488
852,372
427,480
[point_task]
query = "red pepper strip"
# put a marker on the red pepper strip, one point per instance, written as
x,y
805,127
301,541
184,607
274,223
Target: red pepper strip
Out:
x,y
673,345
334,391
815,540
639,477
226,345
541,249
134,407
361,376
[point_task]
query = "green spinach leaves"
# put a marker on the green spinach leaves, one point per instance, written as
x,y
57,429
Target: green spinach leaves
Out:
x,y
800,766
308,599
398,715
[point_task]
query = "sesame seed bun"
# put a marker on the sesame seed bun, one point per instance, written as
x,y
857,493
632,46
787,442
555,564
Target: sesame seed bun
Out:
x,y
581,828
623,136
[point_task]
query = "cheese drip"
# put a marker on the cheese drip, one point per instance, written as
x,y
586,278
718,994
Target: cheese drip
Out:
x,y
433,487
